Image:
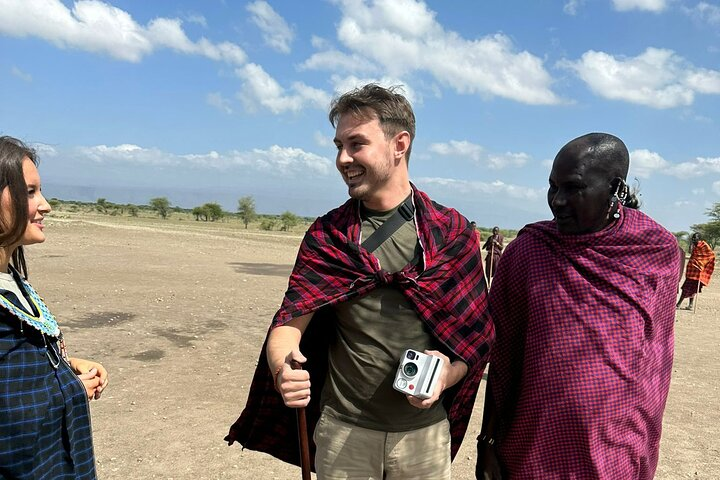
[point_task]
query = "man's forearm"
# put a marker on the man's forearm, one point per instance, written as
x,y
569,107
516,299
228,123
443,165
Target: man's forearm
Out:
x,y
458,370
284,339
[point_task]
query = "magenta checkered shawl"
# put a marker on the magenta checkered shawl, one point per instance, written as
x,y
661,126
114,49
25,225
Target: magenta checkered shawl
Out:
x,y
448,294
580,370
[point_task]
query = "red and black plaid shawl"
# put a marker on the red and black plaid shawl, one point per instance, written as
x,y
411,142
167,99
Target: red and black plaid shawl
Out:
x,y
447,290
580,370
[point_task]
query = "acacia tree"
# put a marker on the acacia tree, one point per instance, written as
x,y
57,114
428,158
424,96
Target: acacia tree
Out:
x,y
214,211
246,210
710,232
199,212
102,205
161,205
288,220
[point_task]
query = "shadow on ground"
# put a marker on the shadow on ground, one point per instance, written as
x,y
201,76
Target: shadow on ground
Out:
x,y
262,269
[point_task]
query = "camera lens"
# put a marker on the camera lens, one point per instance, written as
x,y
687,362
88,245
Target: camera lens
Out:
x,y
410,369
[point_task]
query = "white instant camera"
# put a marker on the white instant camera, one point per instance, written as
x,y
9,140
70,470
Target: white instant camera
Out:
x,y
417,374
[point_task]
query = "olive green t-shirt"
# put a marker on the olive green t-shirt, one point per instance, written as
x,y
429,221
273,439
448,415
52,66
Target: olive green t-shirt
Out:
x,y
372,333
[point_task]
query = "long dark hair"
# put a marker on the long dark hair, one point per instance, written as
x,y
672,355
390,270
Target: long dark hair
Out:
x,y
12,154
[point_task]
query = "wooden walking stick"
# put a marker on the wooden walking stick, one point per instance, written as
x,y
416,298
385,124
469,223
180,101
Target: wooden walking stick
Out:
x,y
697,295
302,434
492,258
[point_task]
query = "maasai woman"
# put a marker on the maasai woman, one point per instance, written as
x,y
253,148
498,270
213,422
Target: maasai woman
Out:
x,y
44,416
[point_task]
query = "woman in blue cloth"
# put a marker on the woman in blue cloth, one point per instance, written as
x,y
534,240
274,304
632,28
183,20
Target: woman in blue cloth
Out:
x,y
45,430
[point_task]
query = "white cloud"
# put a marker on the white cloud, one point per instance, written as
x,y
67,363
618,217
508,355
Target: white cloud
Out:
x,y
345,84
336,60
644,162
506,159
647,5
16,72
98,27
571,6
698,191
168,32
705,12
682,203
704,81
276,160
657,78
458,148
465,149
322,140
45,150
261,90
497,187
716,187
275,30
215,99
698,167
197,19
413,41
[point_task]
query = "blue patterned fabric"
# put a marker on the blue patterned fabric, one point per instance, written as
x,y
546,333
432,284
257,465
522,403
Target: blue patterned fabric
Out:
x,y
45,430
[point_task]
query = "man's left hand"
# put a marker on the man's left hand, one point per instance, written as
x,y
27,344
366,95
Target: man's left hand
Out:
x,y
451,374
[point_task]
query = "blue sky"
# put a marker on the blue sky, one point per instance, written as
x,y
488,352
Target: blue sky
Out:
x,y
212,100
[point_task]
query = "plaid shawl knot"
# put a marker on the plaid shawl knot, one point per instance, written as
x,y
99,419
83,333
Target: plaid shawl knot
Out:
x,y
446,289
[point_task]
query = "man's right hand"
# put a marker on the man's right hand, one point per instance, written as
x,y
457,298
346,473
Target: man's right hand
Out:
x,y
293,385
487,466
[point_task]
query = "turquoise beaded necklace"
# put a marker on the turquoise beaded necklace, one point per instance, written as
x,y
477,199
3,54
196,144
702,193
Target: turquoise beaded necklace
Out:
x,y
45,322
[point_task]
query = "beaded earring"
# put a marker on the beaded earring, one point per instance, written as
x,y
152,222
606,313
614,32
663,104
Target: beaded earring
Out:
x,y
618,197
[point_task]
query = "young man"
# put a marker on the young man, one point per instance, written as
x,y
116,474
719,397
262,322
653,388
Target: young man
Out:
x,y
583,307
350,313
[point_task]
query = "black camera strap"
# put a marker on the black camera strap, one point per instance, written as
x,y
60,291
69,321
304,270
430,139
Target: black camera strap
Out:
x,y
404,213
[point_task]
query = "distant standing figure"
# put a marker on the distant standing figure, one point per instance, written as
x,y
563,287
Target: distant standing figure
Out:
x,y
494,246
698,271
473,225
45,430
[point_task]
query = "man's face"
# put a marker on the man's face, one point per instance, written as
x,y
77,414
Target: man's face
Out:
x,y
579,194
365,158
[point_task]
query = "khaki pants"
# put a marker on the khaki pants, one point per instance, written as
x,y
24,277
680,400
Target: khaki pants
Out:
x,y
346,451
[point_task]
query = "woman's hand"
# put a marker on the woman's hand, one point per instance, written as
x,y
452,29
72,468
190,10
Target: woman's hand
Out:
x,y
93,375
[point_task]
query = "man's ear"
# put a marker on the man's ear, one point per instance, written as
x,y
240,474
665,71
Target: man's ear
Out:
x,y
401,144
616,185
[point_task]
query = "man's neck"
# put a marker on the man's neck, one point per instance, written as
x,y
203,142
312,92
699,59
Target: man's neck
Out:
x,y
389,200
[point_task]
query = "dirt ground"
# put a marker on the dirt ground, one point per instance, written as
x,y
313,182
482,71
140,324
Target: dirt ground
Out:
x,y
178,312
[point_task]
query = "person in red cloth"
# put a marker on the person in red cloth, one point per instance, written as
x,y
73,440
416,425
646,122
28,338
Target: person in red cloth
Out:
x,y
349,314
699,270
583,307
